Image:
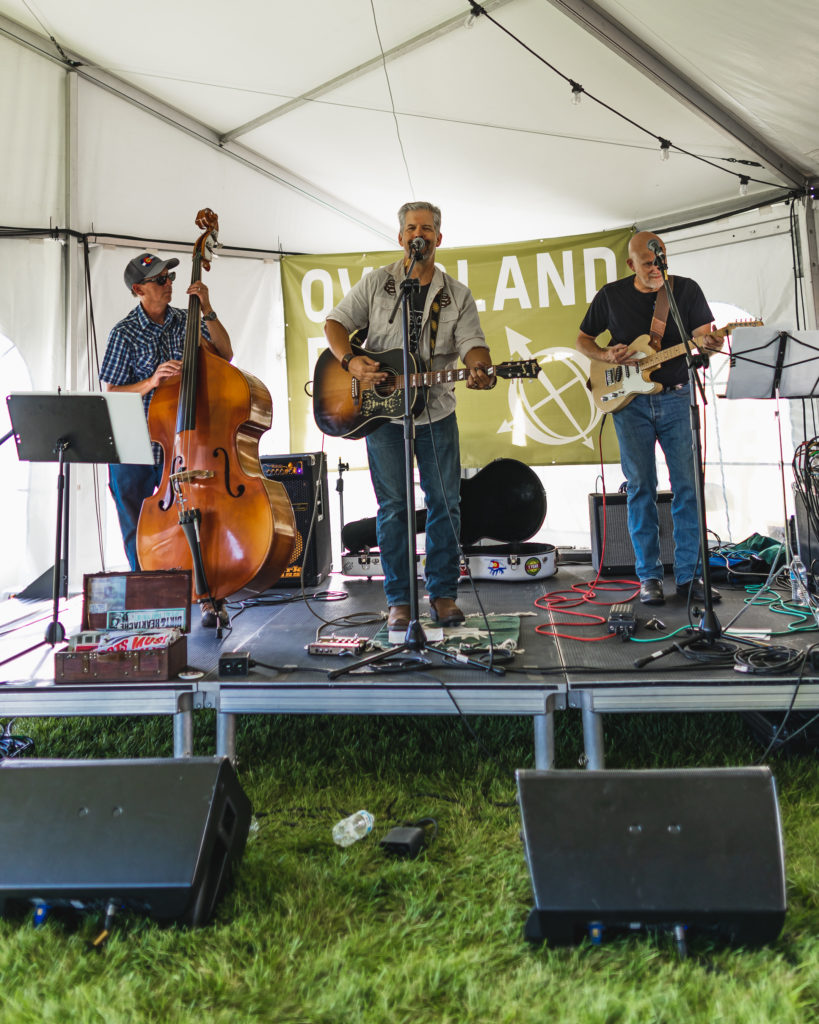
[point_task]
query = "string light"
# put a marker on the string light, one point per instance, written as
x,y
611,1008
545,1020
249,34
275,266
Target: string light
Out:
x,y
665,149
743,185
577,93
470,20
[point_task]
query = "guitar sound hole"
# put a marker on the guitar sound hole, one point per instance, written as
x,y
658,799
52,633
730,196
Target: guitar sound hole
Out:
x,y
385,387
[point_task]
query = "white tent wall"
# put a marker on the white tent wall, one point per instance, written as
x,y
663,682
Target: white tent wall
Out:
x,y
136,174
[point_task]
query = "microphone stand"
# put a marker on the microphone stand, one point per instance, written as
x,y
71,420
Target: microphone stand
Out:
x,y
709,628
415,640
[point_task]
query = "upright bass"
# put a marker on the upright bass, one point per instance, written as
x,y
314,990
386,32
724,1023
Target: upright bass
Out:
x,y
214,511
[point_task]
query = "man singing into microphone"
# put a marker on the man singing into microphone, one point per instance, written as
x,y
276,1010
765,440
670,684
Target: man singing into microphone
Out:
x,y
628,308
443,325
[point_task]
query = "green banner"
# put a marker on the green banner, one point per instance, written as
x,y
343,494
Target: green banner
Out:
x,y
531,297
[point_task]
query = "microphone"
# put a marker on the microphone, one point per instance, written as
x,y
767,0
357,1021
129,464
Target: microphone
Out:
x,y
655,247
418,245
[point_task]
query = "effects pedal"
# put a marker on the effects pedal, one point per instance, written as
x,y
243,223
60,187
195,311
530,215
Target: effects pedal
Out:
x,y
338,645
622,620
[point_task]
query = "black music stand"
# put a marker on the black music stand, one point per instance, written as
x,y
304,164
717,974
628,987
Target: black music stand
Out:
x,y
65,428
770,362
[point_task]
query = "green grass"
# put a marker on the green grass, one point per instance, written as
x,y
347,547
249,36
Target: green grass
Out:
x,y
312,933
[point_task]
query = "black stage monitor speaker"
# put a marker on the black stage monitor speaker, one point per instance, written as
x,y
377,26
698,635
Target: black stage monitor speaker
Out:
x,y
617,851
618,558
154,836
305,480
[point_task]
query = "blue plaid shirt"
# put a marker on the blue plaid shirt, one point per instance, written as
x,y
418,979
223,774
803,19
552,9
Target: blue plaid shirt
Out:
x,y
137,345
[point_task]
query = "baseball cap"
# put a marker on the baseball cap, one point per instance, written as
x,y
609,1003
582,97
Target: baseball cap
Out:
x,y
145,266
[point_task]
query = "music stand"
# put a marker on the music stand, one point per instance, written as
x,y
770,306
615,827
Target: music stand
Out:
x,y
769,362
64,428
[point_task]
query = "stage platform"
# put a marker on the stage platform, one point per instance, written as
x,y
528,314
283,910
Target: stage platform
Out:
x,y
584,668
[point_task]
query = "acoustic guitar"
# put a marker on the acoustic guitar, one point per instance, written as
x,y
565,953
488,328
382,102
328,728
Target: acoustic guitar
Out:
x,y
344,407
613,387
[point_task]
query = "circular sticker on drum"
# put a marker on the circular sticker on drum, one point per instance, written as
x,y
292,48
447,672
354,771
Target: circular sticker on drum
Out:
x,y
532,566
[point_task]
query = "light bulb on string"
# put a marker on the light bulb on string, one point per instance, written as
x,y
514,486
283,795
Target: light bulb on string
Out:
x,y
743,185
470,20
577,93
665,149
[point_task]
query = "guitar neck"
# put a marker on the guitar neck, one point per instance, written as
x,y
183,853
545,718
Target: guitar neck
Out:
x,y
430,377
678,350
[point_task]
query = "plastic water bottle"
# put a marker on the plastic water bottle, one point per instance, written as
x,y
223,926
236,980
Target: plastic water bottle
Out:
x,y
799,582
349,830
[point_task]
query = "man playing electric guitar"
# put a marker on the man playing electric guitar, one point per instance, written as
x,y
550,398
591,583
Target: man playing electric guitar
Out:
x,y
443,325
628,308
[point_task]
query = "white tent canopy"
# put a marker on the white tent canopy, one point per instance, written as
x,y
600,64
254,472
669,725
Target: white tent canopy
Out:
x,y
306,126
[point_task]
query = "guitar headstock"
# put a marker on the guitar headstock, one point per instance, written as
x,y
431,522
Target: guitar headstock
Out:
x,y
731,327
523,368
208,223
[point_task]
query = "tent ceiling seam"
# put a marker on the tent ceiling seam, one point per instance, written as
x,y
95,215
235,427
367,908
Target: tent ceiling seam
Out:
x,y
190,126
618,38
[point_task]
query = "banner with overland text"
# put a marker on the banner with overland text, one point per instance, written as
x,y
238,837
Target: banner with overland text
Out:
x,y
531,297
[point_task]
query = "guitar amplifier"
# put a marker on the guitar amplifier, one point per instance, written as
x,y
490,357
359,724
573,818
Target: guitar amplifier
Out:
x,y
305,479
618,558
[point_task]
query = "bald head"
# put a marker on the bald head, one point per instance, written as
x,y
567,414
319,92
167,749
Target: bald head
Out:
x,y
647,276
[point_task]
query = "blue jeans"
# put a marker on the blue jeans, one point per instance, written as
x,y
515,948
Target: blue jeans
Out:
x,y
385,448
130,485
646,420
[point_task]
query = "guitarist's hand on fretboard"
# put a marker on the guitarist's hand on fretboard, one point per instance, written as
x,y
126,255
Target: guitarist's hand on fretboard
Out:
x,y
481,372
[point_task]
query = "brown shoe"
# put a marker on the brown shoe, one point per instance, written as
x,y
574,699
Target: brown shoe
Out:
x,y
399,616
211,618
445,611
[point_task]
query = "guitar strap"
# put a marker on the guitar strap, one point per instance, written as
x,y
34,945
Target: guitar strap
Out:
x,y
660,317
434,313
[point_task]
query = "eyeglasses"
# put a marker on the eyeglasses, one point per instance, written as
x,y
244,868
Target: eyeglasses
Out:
x,y
162,280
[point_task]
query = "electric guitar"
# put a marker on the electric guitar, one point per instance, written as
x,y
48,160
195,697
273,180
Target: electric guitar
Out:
x,y
344,407
613,387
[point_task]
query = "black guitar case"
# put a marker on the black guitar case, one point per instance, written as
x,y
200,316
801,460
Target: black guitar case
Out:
x,y
505,501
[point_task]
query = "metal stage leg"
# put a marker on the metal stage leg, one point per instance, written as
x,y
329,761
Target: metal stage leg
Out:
x,y
592,734
545,741
226,735
545,736
183,727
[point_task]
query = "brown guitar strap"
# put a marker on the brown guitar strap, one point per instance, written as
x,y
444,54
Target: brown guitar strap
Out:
x,y
658,321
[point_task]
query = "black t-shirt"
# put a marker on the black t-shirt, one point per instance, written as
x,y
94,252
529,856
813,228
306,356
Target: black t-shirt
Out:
x,y
419,300
627,313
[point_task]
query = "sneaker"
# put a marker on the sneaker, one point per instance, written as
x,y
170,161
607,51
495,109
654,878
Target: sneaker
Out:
x,y
651,592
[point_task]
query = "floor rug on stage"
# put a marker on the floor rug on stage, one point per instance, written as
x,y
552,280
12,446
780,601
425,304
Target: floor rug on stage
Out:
x,y
469,638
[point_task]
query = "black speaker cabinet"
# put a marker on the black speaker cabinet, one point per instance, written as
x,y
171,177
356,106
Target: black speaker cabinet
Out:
x,y
305,480
617,851
618,558
160,837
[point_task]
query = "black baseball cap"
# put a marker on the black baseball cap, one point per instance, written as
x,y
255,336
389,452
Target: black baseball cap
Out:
x,y
143,267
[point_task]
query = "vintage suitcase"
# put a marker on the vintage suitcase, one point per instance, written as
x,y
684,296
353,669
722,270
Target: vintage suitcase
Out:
x,y
130,602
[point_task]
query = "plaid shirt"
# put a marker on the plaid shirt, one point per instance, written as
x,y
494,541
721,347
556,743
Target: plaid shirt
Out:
x,y
137,345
